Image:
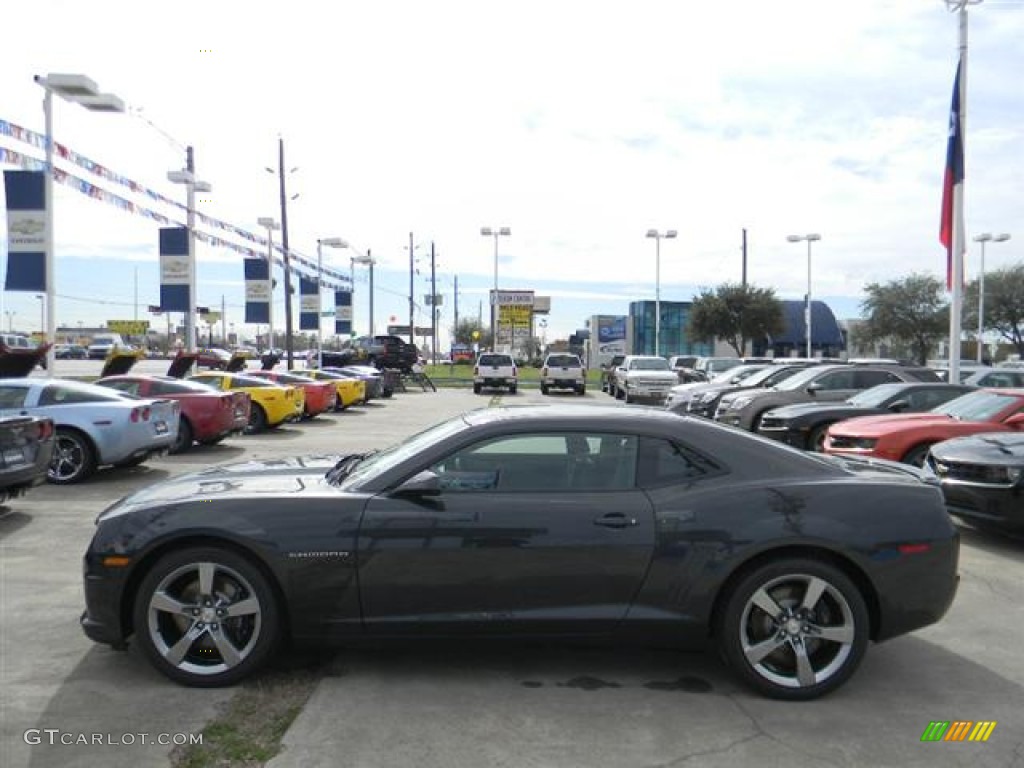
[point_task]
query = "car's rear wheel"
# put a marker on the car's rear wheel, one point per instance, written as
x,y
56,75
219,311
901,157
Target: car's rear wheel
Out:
x,y
513,389
581,391
543,389
794,629
476,389
206,617
74,458
184,439
257,419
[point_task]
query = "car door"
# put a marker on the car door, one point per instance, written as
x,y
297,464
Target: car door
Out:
x,y
531,533
834,386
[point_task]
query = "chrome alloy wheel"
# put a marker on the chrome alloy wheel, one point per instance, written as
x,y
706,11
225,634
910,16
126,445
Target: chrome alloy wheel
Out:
x,y
797,631
204,618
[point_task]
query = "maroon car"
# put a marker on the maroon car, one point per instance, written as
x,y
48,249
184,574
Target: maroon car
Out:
x,y
207,416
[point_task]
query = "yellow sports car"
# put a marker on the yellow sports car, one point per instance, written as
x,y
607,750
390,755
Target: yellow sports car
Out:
x,y
272,404
350,391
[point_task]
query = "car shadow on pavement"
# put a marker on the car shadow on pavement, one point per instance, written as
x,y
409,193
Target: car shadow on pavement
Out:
x,y
12,520
1003,544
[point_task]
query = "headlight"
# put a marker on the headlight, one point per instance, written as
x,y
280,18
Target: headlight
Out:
x,y
1014,474
740,402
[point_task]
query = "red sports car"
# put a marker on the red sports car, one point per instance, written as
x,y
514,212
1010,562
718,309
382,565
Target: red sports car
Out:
x,y
907,437
320,395
206,416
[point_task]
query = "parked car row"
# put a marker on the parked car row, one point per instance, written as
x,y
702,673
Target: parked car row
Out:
x,y
64,430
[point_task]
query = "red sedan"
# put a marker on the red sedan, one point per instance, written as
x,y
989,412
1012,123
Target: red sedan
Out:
x,y
321,396
907,437
207,416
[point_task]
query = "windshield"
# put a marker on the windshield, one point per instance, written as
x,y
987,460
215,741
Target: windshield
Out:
x,y
738,374
771,374
649,364
876,396
976,406
797,380
373,465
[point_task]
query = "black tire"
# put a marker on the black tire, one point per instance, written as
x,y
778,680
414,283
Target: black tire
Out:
x,y
184,441
627,397
171,606
763,625
213,440
816,440
581,391
543,389
917,455
74,458
257,419
476,389
513,389
619,394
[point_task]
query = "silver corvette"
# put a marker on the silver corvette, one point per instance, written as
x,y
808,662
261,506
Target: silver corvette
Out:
x,y
95,426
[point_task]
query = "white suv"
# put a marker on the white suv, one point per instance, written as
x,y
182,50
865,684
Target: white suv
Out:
x,y
644,377
562,371
495,371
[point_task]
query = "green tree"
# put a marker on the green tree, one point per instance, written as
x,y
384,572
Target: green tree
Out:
x,y
1004,305
463,332
735,313
911,311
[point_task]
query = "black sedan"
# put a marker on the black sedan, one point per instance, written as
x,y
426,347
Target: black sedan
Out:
x,y
983,479
532,521
803,425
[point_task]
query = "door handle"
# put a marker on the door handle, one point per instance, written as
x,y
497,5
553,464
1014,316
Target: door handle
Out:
x,y
615,520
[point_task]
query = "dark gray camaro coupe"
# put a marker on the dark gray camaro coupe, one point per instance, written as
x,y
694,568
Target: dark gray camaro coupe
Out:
x,y
532,521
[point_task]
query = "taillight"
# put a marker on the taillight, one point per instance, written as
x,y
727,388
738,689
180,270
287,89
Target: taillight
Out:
x,y
45,429
140,414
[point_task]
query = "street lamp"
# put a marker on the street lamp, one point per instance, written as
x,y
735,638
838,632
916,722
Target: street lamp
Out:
x,y
187,176
270,224
807,304
495,233
668,234
80,90
330,242
983,238
368,261
10,327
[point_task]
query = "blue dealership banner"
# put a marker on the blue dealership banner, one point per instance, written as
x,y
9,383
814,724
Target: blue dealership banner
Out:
x,y
309,306
257,291
26,231
343,313
174,272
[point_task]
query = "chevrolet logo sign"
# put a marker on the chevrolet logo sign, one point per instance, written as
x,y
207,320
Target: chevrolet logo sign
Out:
x,y
26,227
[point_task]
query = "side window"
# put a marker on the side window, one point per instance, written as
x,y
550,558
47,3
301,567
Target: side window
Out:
x,y
12,397
131,387
837,380
926,399
55,394
665,463
868,378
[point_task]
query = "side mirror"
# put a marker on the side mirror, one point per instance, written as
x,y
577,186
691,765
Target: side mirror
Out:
x,y
813,388
899,406
425,483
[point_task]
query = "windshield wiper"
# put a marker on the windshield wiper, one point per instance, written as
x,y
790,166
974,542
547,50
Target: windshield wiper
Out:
x,y
345,465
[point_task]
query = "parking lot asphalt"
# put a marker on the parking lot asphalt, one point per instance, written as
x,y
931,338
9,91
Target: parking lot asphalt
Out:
x,y
467,705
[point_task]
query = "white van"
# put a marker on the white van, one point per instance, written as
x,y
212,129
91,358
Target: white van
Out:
x,y
102,343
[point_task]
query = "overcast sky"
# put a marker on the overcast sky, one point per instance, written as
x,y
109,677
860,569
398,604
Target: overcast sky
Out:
x,y
579,125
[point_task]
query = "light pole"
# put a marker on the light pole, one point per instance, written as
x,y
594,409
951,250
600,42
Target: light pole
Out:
x,y
80,90
330,242
496,232
10,325
807,304
270,224
983,238
42,316
668,234
368,261
187,176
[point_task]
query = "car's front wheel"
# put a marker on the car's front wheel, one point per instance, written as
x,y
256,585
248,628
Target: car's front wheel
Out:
x,y
184,439
206,617
257,419
74,458
794,629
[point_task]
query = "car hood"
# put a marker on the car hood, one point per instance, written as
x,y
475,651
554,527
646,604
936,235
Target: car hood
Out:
x,y
893,422
119,364
181,365
802,409
997,449
298,476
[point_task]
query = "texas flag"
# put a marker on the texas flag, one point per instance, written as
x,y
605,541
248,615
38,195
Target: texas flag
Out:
x,y
953,179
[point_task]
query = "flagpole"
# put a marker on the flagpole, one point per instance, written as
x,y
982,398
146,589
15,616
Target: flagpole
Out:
x,y
958,239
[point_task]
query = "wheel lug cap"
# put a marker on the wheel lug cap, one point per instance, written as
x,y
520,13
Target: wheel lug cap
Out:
x,y
214,627
200,624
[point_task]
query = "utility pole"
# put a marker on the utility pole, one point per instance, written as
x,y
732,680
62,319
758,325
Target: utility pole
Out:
x,y
224,320
287,258
455,335
412,270
433,304
190,221
744,258
369,258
